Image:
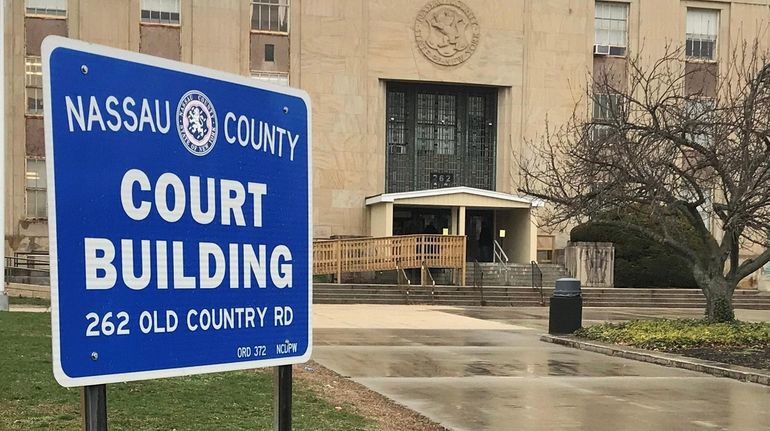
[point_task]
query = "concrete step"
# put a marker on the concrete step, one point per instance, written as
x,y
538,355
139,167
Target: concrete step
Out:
x,y
585,291
523,296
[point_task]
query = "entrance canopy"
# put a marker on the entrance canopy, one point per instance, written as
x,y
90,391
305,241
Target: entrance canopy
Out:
x,y
456,196
484,216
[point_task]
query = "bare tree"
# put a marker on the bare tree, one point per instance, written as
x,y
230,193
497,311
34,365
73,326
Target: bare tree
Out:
x,y
672,157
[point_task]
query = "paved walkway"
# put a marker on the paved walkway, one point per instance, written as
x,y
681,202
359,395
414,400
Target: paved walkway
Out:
x,y
484,369
30,308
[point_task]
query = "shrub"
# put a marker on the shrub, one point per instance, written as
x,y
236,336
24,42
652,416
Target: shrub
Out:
x,y
639,262
680,334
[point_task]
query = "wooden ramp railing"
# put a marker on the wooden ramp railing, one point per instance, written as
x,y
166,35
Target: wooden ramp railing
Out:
x,y
389,253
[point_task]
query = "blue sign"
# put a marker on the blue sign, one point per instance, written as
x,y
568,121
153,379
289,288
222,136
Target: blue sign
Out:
x,y
179,217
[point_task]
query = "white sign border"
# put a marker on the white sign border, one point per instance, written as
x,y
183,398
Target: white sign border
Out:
x,y
50,44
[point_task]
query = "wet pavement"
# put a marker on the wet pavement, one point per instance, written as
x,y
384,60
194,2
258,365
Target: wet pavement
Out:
x,y
485,369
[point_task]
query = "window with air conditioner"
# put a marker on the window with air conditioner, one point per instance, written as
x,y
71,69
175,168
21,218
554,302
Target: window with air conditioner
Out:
x,y
397,149
277,78
702,31
611,28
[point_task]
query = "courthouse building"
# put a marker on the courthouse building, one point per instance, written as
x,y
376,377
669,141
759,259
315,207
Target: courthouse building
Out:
x,y
420,107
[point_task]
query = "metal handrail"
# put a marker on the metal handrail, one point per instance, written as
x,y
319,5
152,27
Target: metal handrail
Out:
x,y
426,270
500,258
537,280
15,265
499,253
478,274
10,269
25,263
401,274
478,280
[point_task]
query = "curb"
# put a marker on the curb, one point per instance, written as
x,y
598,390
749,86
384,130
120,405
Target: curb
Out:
x,y
666,359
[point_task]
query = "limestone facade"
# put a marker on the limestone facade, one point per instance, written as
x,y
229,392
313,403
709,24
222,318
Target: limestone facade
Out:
x,y
536,54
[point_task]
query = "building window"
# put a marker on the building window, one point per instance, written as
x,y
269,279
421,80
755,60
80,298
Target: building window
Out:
x,y
700,115
611,28
439,136
545,248
606,109
36,194
47,7
270,15
601,132
436,128
269,52
702,28
34,84
278,78
160,11
606,106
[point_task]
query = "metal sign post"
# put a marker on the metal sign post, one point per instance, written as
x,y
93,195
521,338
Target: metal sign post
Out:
x,y
94,408
179,220
282,398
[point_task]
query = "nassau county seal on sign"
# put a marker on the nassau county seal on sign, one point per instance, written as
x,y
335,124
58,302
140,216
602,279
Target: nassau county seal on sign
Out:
x,y
196,121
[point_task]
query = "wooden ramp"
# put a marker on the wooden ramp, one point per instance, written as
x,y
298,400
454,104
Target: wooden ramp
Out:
x,y
389,253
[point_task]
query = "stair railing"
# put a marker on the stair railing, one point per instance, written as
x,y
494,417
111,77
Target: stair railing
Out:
x,y
25,266
478,280
537,280
500,258
426,270
402,277
478,274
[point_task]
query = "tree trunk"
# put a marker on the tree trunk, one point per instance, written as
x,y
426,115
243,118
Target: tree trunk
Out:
x,y
719,300
719,294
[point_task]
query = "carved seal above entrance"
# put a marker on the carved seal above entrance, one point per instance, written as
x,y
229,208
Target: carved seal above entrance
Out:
x,y
446,31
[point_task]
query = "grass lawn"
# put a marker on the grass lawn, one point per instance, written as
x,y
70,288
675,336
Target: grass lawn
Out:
x,y
739,343
30,398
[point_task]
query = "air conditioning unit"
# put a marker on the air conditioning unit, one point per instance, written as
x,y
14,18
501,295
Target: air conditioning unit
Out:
x,y
601,50
398,149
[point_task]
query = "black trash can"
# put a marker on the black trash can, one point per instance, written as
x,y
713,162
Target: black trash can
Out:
x,y
565,314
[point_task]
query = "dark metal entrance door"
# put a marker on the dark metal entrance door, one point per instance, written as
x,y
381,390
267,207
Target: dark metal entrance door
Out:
x,y
479,228
440,136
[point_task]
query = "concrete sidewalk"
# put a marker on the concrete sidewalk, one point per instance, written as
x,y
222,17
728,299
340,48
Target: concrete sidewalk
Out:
x,y
485,369
30,308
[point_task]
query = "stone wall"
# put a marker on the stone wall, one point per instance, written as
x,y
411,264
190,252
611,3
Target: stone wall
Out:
x,y
763,278
593,263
